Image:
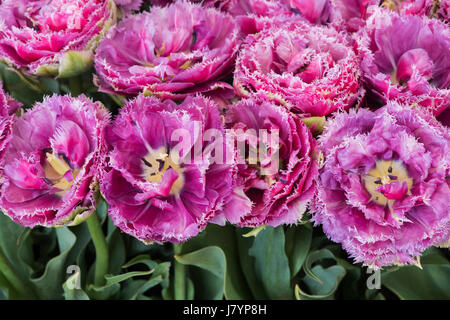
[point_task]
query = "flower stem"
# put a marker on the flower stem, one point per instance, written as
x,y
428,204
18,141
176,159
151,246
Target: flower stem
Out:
x,y
180,275
8,272
101,249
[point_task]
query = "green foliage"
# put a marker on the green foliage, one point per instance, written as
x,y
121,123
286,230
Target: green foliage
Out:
x,y
223,262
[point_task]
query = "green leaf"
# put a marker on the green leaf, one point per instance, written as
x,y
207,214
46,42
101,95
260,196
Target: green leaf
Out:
x,y
51,84
248,265
105,292
134,288
102,209
117,254
316,256
412,283
236,287
190,289
12,242
298,242
111,280
24,90
211,283
141,259
330,278
5,287
48,286
271,263
76,256
353,286
321,281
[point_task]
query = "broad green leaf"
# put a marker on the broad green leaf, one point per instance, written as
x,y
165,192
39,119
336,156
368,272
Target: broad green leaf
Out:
x,y
109,292
117,254
76,256
13,244
316,256
412,283
5,287
116,250
330,278
48,286
211,283
167,293
22,89
236,287
51,84
271,263
4,294
298,242
134,288
322,282
190,289
352,285
433,256
248,265
102,209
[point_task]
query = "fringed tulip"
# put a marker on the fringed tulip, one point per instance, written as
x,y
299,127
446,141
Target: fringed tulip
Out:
x,y
155,190
53,38
51,160
276,167
170,52
407,58
383,190
309,69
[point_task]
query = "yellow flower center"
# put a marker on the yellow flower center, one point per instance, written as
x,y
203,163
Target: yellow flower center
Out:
x,y
392,4
384,173
56,168
157,162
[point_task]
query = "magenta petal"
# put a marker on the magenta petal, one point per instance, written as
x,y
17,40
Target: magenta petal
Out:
x,y
414,60
394,191
71,141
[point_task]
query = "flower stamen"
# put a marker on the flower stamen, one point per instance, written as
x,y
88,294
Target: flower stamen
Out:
x,y
156,163
387,182
58,172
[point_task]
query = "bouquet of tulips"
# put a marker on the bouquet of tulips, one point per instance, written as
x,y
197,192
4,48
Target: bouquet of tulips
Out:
x,y
238,149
